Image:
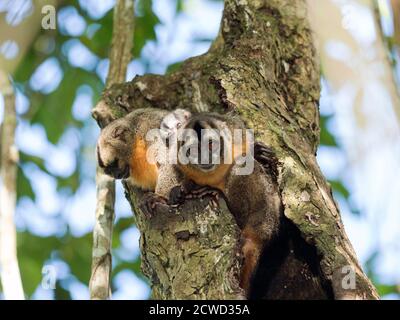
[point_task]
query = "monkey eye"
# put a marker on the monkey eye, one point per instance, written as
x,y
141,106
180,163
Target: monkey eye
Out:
x,y
179,125
213,145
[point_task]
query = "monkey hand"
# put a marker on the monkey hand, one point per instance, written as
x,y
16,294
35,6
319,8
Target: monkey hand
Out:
x,y
267,158
177,195
153,204
190,191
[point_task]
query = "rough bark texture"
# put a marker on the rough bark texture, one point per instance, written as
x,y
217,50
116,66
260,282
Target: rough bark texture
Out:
x,y
190,253
120,55
263,65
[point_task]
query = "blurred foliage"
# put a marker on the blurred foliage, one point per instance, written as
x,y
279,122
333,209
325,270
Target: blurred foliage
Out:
x,y
326,138
53,111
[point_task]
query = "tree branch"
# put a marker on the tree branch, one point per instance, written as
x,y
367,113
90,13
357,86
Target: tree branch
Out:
x,y
396,21
10,275
120,55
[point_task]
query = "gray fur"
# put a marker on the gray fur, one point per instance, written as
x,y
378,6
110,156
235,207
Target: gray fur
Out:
x,y
114,147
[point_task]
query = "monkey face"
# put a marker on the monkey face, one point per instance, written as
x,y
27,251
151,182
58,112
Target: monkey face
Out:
x,y
212,142
203,143
114,149
171,123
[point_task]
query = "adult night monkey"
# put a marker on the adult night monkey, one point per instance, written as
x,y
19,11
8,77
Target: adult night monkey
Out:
x,y
278,263
252,196
124,152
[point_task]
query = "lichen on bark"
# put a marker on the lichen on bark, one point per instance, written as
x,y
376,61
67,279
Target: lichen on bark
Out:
x,y
262,65
190,252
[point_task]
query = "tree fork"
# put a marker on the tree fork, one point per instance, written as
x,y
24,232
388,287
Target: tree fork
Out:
x,y
262,65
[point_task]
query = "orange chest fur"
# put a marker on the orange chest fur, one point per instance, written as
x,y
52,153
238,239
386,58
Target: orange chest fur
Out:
x,y
214,179
143,173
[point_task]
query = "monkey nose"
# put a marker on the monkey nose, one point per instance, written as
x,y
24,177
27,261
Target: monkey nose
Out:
x,y
117,172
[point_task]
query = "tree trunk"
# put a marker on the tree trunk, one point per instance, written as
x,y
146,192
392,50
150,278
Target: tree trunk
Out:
x,y
263,65
120,55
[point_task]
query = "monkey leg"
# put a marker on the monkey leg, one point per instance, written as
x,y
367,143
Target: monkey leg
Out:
x,y
251,250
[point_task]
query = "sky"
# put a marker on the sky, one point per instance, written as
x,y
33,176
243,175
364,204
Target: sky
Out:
x,y
377,226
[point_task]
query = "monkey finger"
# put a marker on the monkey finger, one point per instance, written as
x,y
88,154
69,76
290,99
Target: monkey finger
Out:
x,y
144,207
214,204
263,158
162,208
260,146
203,192
176,196
152,204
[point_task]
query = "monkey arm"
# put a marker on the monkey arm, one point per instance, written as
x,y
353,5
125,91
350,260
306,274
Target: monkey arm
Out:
x,y
168,178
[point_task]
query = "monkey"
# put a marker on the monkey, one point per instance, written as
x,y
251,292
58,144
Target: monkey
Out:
x,y
124,152
277,262
253,198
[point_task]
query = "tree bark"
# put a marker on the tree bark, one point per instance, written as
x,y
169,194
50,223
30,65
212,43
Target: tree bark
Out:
x,y
9,269
120,55
263,65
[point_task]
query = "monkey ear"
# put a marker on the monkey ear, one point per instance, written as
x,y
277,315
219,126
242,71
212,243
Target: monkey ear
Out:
x,y
182,114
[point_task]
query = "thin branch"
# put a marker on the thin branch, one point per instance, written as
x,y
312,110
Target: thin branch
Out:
x,y
396,21
10,275
391,81
120,55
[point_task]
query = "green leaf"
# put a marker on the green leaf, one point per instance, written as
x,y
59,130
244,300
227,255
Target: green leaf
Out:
x,y
384,289
72,182
338,187
173,67
27,158
100,42
121,225
77,253
326,137
24,188
33,251
28,65
145,22
179,6
131,266
53,111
